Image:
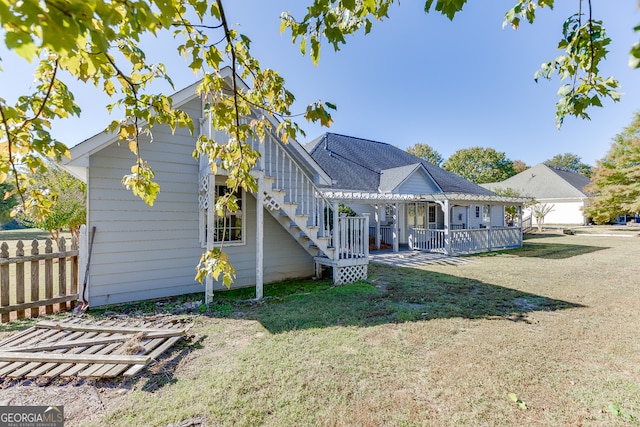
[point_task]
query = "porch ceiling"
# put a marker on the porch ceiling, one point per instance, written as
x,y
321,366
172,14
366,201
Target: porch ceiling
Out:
x,y
359,197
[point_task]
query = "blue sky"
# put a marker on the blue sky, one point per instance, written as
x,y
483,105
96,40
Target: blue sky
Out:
x,y
417,78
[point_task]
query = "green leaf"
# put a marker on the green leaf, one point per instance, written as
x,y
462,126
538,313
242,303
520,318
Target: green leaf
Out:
x,y
22,44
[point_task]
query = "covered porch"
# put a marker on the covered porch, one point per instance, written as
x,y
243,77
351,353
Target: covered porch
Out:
x,y
445,223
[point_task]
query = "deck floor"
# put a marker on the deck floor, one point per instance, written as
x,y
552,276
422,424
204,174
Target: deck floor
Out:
x,y
409,258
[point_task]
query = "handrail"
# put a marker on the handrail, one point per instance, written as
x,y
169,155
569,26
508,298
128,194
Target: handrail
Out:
x,y
279,165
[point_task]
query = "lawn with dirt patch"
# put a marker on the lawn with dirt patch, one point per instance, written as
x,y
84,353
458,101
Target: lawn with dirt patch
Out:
x,y
545,335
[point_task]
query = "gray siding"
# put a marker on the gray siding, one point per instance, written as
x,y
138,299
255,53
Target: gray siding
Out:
x,y
283,258
497,216
142,252
418,183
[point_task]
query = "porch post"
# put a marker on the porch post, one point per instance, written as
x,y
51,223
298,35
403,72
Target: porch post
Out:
x,y
336,234
260,237
260,223
489,228
520,222
377,226
211,217
365,237
447,227
396,243
467,216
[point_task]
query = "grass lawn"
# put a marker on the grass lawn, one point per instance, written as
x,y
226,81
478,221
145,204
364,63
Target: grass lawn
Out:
x,y
546,335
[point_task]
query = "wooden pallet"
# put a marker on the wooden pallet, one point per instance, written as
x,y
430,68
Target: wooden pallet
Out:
x,y
87,348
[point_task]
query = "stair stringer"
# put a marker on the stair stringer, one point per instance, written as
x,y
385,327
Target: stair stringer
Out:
x,y
297,225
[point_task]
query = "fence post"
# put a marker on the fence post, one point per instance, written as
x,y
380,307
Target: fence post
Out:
x,y
62,273
20,278
48,275
4,281
74,270
35,278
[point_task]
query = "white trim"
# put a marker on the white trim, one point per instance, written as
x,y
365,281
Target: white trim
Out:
x,y
353,196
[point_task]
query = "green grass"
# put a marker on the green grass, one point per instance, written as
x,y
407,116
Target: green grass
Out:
x,y
24,234
445,345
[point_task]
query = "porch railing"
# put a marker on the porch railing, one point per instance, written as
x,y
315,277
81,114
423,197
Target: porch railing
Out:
x,y
288,176
353,237
469,240
505,237
386,233
426,239
465,241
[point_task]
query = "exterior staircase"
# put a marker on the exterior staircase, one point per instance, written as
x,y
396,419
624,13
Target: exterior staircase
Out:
x,y
291,196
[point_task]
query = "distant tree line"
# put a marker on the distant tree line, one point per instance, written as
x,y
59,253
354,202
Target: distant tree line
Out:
x,y
615,180
483,165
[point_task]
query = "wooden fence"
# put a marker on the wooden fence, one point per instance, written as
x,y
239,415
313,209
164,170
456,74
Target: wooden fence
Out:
x,y
43,266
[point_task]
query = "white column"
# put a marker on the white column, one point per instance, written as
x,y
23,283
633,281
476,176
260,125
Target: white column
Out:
x,y
489,228
396,240
377,226
447,227
468,212
336,234
365,236
260,237
520,222
211,217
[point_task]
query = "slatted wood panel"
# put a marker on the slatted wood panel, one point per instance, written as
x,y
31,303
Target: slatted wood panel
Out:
x,y
21,296
87,348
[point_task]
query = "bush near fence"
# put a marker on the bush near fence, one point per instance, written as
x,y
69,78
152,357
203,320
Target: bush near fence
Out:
x,y
30,283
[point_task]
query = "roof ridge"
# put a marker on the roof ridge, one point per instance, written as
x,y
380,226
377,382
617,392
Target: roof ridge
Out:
x,y
361,139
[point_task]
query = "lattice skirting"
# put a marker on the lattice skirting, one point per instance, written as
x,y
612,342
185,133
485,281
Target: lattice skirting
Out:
x,y
349,274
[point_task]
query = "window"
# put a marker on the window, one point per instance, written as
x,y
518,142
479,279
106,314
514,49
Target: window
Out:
x,y
477,211
388,214
432,213
229,226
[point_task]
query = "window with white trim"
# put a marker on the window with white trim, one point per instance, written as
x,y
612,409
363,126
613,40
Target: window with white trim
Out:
x,y
230,226
432,214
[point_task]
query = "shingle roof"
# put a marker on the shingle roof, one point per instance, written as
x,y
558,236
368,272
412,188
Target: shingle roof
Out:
x,y
545,182
357,164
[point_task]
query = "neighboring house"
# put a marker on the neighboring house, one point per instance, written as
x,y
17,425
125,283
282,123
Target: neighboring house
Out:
x,y
284,230
553,186
412,201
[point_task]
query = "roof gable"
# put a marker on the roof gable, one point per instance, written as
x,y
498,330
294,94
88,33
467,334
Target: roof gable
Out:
x,y
410,179
79,160
545,182
358,164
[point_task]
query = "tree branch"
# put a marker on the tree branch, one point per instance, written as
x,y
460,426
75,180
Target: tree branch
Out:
x,y
227,33
11,160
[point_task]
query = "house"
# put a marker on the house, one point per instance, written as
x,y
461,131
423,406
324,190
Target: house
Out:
x,y
560,188
142,252
413,202
288,228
